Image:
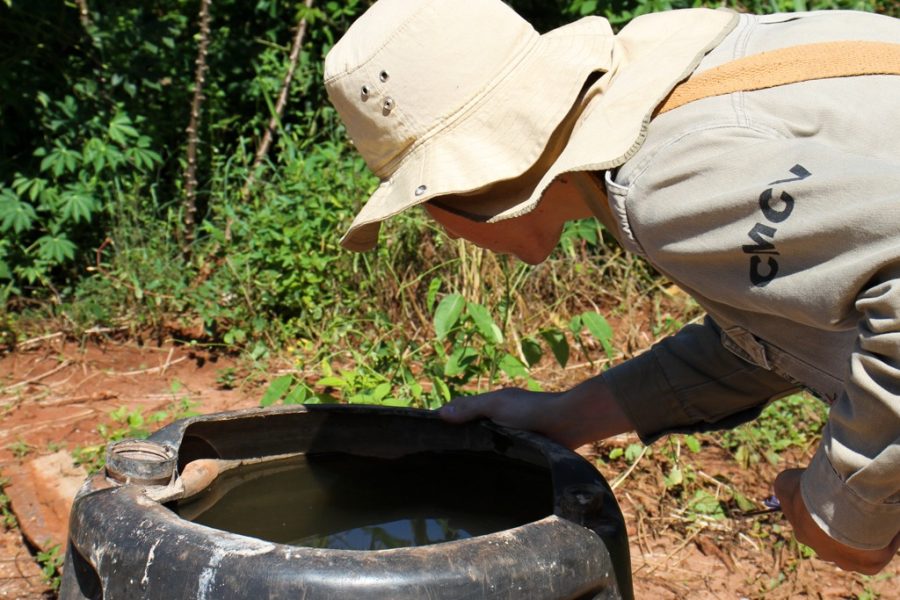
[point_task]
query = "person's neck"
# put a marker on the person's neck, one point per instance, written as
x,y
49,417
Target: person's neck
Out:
x,y
592,193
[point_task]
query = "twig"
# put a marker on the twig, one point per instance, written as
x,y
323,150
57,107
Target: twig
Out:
x,y
190,170
84,14
747,539
598,362
712,479
168,360
639,516
27,382
150,370
275,119
618,481
100,330
665,560
98,397
38,340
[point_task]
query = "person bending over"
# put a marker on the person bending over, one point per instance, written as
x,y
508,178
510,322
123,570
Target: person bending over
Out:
x,y
753,160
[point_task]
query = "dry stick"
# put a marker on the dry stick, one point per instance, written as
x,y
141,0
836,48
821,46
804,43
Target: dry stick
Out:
x,y
84,15
744,537
150,370
665,560
168,360
639,516
38,340
190,170
62,366
618,481
275,119
101,330
65,401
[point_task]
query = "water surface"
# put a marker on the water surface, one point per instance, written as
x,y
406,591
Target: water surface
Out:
x,y
361,503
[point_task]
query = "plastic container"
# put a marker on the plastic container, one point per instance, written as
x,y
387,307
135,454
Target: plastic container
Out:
x,y
132,532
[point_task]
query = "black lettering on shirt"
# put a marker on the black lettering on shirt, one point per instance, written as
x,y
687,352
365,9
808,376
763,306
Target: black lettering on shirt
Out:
x,y
769,212
759,279
763,236
762,246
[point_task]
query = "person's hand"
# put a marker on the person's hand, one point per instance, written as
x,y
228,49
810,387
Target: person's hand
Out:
x,y
510,407
868,562
583,414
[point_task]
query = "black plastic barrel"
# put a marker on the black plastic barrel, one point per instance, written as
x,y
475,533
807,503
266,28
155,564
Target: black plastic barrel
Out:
x,y
127,539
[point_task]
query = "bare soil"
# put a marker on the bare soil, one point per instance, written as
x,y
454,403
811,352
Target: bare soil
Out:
x,y
55,394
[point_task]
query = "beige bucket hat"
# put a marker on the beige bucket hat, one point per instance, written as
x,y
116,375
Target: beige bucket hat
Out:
x,y
445,97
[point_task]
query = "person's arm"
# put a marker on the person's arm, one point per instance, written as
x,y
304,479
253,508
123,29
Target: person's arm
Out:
x,y
583,414
690,382
687,382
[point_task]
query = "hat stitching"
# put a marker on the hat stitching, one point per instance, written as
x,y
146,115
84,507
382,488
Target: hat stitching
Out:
x,y
376,52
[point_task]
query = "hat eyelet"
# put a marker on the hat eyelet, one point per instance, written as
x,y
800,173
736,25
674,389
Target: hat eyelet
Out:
x,y
383,76
421,190
388,105
364,92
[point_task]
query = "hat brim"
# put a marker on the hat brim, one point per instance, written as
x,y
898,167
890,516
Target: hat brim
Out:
x,y
502,135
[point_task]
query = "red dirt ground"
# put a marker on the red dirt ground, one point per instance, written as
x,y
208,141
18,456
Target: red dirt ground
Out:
x,y
54,394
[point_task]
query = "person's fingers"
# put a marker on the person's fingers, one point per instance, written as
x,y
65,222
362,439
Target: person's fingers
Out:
x,y
466,408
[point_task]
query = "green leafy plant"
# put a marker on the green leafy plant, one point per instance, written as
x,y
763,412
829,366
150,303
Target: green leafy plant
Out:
x,y
45,216
792,422
51,561
469,353
20,448
7,517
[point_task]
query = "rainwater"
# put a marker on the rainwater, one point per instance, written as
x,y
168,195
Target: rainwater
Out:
x,y
348,502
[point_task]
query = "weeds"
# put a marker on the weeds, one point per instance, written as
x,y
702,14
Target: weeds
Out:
x,y
7,517
20,449
792,422
51,561
470,352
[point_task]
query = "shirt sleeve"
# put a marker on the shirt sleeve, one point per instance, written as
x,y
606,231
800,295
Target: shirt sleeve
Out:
x,y
852,485
690,382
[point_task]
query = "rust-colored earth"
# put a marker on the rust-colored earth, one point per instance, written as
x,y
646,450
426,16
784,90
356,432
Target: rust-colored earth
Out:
x,y
54,394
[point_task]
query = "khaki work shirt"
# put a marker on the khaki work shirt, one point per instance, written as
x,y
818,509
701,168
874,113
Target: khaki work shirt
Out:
x,y
779,211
